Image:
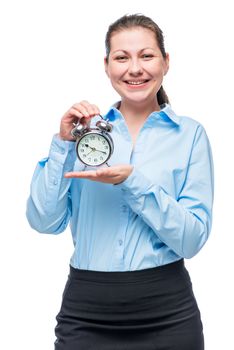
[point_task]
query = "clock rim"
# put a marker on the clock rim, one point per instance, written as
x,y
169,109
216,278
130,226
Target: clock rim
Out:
x,y
106,136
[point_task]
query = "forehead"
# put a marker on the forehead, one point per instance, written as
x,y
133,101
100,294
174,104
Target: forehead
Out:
x,y
136,37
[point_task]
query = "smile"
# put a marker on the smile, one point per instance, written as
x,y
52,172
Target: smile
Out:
x,y
139,82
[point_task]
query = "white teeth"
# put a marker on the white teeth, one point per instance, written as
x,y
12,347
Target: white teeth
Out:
x,y
136,82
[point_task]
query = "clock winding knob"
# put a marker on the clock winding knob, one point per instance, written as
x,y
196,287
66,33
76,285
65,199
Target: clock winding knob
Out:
x,y
104,125
78,130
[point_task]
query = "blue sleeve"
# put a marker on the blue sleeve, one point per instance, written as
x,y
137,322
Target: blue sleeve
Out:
x,y
184,223
49,203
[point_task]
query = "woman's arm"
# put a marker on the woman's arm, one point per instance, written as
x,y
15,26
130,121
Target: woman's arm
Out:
x,y
49,205
184,223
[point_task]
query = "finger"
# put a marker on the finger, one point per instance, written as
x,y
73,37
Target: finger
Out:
x,y
81,174
92,175
75,113
92,109
110,171
85,103
105,172
95,109
81,109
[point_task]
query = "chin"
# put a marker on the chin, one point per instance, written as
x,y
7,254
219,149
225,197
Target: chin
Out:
x,y
139,99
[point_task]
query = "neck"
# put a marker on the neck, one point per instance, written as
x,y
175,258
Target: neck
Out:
x,y
138,113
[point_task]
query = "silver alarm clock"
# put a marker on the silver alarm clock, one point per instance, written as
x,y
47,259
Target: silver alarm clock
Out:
x,y
94,145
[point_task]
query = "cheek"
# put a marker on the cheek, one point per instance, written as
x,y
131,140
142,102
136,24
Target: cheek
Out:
x,y
155,68
116,71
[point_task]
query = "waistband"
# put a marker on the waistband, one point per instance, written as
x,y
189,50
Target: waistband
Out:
x,y
127,276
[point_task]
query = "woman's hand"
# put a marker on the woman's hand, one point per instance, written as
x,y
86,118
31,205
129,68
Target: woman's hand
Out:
x,y
78,111
111,175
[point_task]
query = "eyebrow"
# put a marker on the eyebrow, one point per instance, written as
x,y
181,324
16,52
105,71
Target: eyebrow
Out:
x,y
145,48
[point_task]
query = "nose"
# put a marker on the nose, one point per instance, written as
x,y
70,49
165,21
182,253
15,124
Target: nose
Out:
x,y
135,67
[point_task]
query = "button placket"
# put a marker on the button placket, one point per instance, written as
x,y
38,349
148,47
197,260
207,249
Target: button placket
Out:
x,y
120,242
124,208
119,251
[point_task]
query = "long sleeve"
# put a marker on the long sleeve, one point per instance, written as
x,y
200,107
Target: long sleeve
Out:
x,y
49,204
182,223
160,213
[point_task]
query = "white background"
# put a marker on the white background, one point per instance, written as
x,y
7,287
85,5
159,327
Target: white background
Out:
x,y
51,57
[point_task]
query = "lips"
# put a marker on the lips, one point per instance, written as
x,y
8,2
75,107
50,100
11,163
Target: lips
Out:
x,y
136,82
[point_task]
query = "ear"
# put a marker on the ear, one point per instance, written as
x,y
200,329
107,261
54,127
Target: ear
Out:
x,y
106,66
166,61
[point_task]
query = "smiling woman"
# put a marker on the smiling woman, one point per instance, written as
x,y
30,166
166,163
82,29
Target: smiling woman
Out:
x,y
155,49
134,222
136,64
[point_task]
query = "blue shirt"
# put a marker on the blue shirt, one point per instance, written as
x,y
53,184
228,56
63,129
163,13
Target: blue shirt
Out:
x,y
161,213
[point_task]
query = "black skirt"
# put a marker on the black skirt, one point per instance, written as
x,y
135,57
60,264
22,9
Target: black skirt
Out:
x,y
151,309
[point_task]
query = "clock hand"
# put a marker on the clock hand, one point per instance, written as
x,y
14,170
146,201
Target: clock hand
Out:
x,y
89,152
92,148
86,145
100,151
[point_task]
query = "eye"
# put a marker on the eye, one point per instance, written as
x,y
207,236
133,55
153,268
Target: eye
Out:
x,y
121,58
147,56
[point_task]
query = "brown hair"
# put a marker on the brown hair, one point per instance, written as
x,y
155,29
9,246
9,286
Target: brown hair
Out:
x,y
138,20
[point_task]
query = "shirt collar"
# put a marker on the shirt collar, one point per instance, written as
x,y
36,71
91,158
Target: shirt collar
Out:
x,y
165,113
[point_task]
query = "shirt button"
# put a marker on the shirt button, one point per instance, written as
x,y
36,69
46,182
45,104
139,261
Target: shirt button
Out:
x,y
55,182
124,207
120,241
63,150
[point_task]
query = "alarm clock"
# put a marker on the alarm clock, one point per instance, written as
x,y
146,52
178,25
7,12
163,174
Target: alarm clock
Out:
x,y
94,145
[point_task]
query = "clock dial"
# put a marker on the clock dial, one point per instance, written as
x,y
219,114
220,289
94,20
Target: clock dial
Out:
x,y
93,149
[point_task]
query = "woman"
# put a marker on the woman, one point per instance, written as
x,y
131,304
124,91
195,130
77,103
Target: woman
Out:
x,y
134,222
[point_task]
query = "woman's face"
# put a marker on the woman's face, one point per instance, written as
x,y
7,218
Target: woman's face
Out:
x,y
136,66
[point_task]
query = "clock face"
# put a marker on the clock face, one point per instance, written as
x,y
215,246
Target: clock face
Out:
x,y
93,149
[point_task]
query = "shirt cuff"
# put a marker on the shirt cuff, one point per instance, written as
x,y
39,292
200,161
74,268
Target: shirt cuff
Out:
x,y
136,184
61,150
